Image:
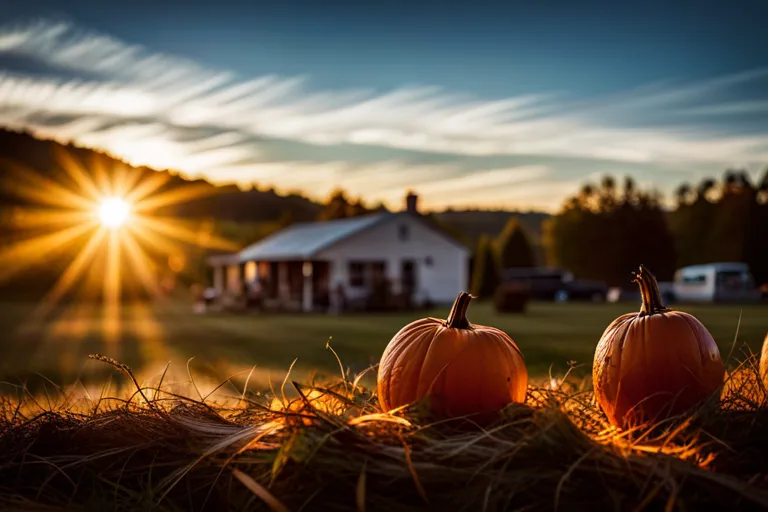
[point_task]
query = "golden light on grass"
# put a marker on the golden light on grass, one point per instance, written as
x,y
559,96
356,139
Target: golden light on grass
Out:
x,y
114,212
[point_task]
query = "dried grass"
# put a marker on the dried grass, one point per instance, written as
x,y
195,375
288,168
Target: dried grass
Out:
x,y
331,448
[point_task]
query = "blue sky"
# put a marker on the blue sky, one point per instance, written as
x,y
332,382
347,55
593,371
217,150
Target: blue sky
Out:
x,y
509,104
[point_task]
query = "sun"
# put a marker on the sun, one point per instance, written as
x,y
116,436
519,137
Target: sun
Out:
x,y
109,214
114,212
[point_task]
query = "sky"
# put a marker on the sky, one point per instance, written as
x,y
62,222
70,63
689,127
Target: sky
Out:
x,y
509,104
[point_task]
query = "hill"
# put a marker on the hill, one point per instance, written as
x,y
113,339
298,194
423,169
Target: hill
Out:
x,y
23,155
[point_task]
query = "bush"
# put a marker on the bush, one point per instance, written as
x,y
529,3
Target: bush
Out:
x,y
485,274
511,298
514,246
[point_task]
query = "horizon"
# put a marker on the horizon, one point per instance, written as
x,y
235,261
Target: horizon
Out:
x,y
364,99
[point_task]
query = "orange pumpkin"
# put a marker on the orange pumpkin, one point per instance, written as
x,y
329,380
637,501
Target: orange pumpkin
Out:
x,y
656,363
464,369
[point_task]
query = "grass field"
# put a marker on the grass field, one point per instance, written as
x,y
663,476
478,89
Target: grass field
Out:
x,y
147,336
153,446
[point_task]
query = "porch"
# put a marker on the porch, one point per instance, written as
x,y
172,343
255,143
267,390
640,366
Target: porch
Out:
x,y
314,285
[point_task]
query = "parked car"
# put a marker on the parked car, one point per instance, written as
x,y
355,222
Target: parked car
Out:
x,y
716,282
556,284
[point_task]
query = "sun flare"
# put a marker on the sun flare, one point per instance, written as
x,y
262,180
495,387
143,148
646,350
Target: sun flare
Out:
x,y
106,216
114,212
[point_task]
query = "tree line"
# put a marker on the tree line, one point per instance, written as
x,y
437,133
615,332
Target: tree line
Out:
x,y
605,230
724,220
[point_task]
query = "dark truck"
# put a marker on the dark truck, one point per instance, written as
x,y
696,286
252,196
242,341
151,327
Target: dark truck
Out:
x,y
556,284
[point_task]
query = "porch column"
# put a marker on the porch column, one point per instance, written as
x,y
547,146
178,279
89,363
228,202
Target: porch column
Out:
x,y
283,287
233,278
218,279
306,296
250,271
394,275
337,275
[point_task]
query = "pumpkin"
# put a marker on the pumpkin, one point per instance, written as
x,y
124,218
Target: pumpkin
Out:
x,y
654,364
464,369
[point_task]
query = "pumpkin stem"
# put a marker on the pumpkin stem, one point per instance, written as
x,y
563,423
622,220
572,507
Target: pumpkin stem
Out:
x,y
649,292
457,318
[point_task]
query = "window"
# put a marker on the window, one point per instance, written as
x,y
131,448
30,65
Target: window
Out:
x,y
356,274
403,232
733,280
250,272
408,275
694,279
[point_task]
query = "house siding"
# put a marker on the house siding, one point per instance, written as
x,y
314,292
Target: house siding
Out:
x,y
439,282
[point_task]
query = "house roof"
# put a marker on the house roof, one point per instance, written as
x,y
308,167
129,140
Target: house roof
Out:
x,y
305,240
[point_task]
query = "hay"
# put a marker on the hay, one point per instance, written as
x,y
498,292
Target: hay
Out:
x,y
331,448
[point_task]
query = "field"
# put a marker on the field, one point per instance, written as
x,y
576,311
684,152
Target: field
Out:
x,y
152,446
147,336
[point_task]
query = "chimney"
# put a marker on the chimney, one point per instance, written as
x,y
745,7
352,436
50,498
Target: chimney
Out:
x,y
411,203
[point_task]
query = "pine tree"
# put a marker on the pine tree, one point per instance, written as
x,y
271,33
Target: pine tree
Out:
x,y
336,208
485,274
356,209
514,247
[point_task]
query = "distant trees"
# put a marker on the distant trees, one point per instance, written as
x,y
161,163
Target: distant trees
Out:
x,y
725,221
603,233
514,247
485,274
510,248
341,207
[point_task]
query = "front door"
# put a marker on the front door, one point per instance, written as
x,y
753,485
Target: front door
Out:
x,y
408,278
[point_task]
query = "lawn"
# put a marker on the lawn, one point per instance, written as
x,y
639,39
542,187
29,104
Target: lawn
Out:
x,y
330,447
147,336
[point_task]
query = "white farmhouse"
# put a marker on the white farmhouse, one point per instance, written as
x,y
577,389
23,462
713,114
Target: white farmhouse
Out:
x,y
301,265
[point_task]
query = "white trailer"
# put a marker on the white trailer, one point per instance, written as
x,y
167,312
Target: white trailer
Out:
x,y
715,282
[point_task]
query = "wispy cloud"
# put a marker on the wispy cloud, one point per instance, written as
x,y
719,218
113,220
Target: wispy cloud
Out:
x,y
733,108
143,106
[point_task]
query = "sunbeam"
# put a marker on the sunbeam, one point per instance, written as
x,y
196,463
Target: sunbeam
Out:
x,y
97,214
175,229
127,179
78,174
22,255
140,263
147,186
29,217
100,175
112,286
73,272
172,197
151,239
33,186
